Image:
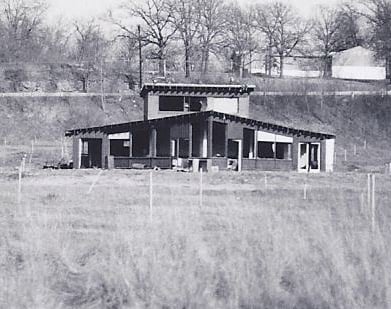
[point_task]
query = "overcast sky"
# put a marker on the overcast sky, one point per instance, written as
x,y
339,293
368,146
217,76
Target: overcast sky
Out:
x,y
87,9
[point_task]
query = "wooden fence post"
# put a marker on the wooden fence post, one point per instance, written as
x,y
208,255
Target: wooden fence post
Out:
x,y
151,196
369,190
32,152
19,197
373,202
201,185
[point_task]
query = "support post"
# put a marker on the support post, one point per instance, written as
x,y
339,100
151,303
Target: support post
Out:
x,y
201,184
151,196
190,140
226,141
373,203
152,143
210,137
130,144
369,190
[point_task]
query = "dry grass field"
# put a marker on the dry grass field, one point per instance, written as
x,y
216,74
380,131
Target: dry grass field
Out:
x,y
77,240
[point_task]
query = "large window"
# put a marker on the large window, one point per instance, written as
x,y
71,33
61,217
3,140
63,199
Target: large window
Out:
x,y
119,148
283,151
171,103
181,104
266,150
271,150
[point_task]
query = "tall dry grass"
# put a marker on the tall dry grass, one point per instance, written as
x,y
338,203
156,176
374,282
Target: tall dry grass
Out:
x,y
249,246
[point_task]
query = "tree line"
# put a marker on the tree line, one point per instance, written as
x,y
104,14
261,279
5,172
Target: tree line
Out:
x,y
194,31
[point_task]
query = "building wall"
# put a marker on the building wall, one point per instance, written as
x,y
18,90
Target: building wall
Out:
x,y
151,107
359,72
93,135
358,63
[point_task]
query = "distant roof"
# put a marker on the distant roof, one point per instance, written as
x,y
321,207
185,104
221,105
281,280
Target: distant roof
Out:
x,y
208,89
123,127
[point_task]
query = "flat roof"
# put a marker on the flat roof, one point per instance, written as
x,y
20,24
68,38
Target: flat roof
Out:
x,y
210,88
123,127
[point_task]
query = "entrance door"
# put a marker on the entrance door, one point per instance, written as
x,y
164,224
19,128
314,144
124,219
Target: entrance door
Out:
x,y
314,157
235,154
91,156
309,158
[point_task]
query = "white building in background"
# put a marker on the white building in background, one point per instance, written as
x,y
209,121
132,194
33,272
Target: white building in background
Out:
x,y
358,63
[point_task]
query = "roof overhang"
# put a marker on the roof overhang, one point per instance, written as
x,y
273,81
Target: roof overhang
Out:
x,y
125,127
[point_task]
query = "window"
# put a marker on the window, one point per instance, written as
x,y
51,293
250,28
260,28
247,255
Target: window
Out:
x,y
171,104
283,151
180,103
266,150
195,104
119,148
84,147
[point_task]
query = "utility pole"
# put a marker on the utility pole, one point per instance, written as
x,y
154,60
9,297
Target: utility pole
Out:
x,y
140,56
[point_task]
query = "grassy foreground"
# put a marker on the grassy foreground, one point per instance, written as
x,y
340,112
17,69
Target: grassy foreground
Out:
x,y
255,242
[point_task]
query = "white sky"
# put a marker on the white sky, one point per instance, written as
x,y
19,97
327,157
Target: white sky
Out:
x,y
87,9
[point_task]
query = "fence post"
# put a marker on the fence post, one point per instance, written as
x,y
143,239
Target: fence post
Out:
x,y
150,195
265,181
20,182
5,151
369,190
373,202
201,184
24,163
32,152
346,155
355,149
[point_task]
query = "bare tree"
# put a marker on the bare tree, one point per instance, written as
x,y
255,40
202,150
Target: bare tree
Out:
x,y
186,20
239,35
126,48
289,33
378,14
157,25
266,22
325,32
211,29
90,48
22,28
349,32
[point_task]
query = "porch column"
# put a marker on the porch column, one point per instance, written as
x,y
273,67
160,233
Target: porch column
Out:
x,y
105,151
210,137
255,144
76,154
130,144
226,140
152,142
190,140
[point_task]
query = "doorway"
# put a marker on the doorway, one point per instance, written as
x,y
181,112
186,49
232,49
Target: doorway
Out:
x,y
91,153
235,153
309,158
